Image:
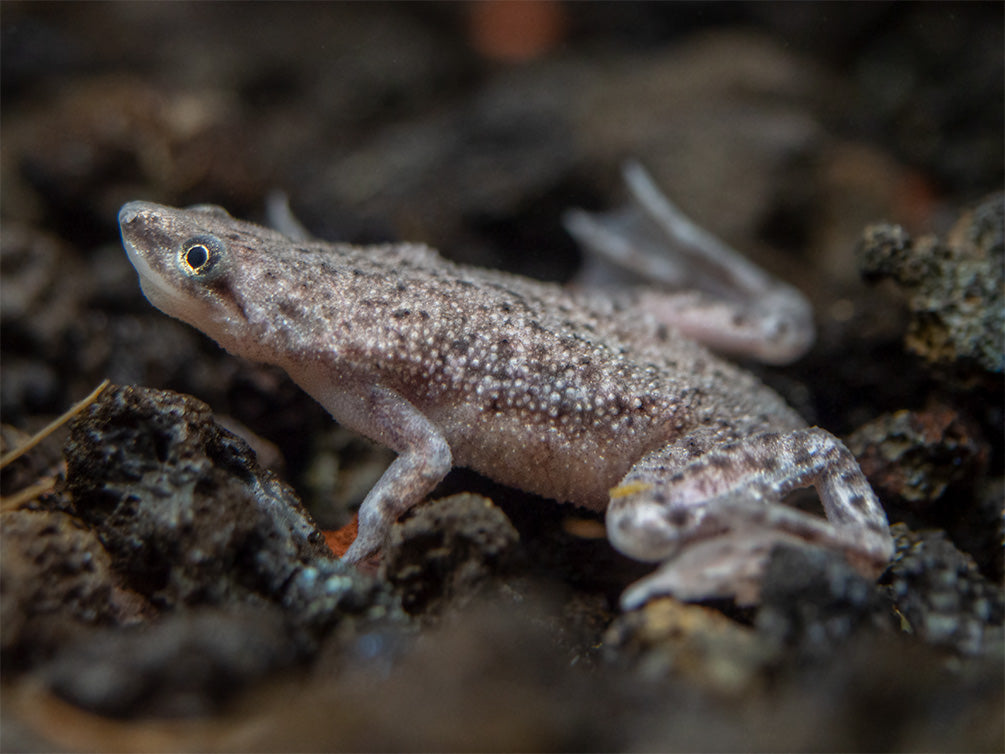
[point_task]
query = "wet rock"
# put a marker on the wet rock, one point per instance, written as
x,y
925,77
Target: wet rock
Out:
x,y
447,550
187,664
55,580
189,518
180,503
813,602
955,287
941,596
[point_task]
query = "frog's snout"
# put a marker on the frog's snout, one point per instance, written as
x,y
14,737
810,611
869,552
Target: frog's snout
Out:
x,y
131,211
128,213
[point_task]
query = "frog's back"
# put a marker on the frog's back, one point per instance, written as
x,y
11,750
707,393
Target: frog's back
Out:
x,y
512,369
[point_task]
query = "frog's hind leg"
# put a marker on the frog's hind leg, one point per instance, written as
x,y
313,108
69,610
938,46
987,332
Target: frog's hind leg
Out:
x,y
692,280
713,520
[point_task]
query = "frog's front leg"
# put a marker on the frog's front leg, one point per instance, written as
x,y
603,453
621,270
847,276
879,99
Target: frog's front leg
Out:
x,y
714,520
687,278
424,459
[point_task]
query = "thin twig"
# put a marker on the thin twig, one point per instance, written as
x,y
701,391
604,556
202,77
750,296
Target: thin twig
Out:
x,y
19,498
53,426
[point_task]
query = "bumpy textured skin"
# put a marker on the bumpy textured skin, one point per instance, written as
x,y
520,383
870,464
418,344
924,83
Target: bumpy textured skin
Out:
x,y
569,395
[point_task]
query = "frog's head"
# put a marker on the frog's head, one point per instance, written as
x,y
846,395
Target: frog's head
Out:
x,y
203,267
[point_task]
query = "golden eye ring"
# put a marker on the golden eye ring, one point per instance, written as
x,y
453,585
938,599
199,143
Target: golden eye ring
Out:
x,y
201,257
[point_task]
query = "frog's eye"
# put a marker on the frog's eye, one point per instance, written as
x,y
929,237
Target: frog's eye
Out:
x,y
200,257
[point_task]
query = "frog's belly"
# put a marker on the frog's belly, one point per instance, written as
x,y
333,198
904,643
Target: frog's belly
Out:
x,y
540,457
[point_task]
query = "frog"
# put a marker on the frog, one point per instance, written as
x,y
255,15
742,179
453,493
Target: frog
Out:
x,y
615,397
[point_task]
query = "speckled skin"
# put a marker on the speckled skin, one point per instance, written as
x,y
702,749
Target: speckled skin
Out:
x,y
564,394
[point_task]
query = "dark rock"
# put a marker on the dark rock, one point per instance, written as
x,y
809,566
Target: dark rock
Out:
x,y
929,468
912,457
189,517
955,288
327,593
448,549
56,579
695,643
187,664
813,602
942,597
180,503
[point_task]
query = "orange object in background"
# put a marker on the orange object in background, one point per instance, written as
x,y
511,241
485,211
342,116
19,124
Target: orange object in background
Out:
x,y
340,539
514,31
916,201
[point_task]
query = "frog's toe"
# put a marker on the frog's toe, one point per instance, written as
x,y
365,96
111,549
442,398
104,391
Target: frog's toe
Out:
x,y
643,531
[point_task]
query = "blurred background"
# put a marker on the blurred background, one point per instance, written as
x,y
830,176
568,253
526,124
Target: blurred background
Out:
x,y
784,128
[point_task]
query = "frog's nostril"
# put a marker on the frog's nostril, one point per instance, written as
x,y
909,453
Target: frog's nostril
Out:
x,y
127,214
131,211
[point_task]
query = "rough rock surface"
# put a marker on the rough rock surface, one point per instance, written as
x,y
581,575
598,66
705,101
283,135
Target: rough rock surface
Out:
x,y
446,550
955,287
173,546
814,602
943,598
55,580
189,663
183,509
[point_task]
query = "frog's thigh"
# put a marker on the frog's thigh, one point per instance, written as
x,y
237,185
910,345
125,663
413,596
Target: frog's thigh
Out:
x,y
664,504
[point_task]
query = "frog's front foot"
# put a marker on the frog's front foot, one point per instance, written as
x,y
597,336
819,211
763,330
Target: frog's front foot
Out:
x,y
713,521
